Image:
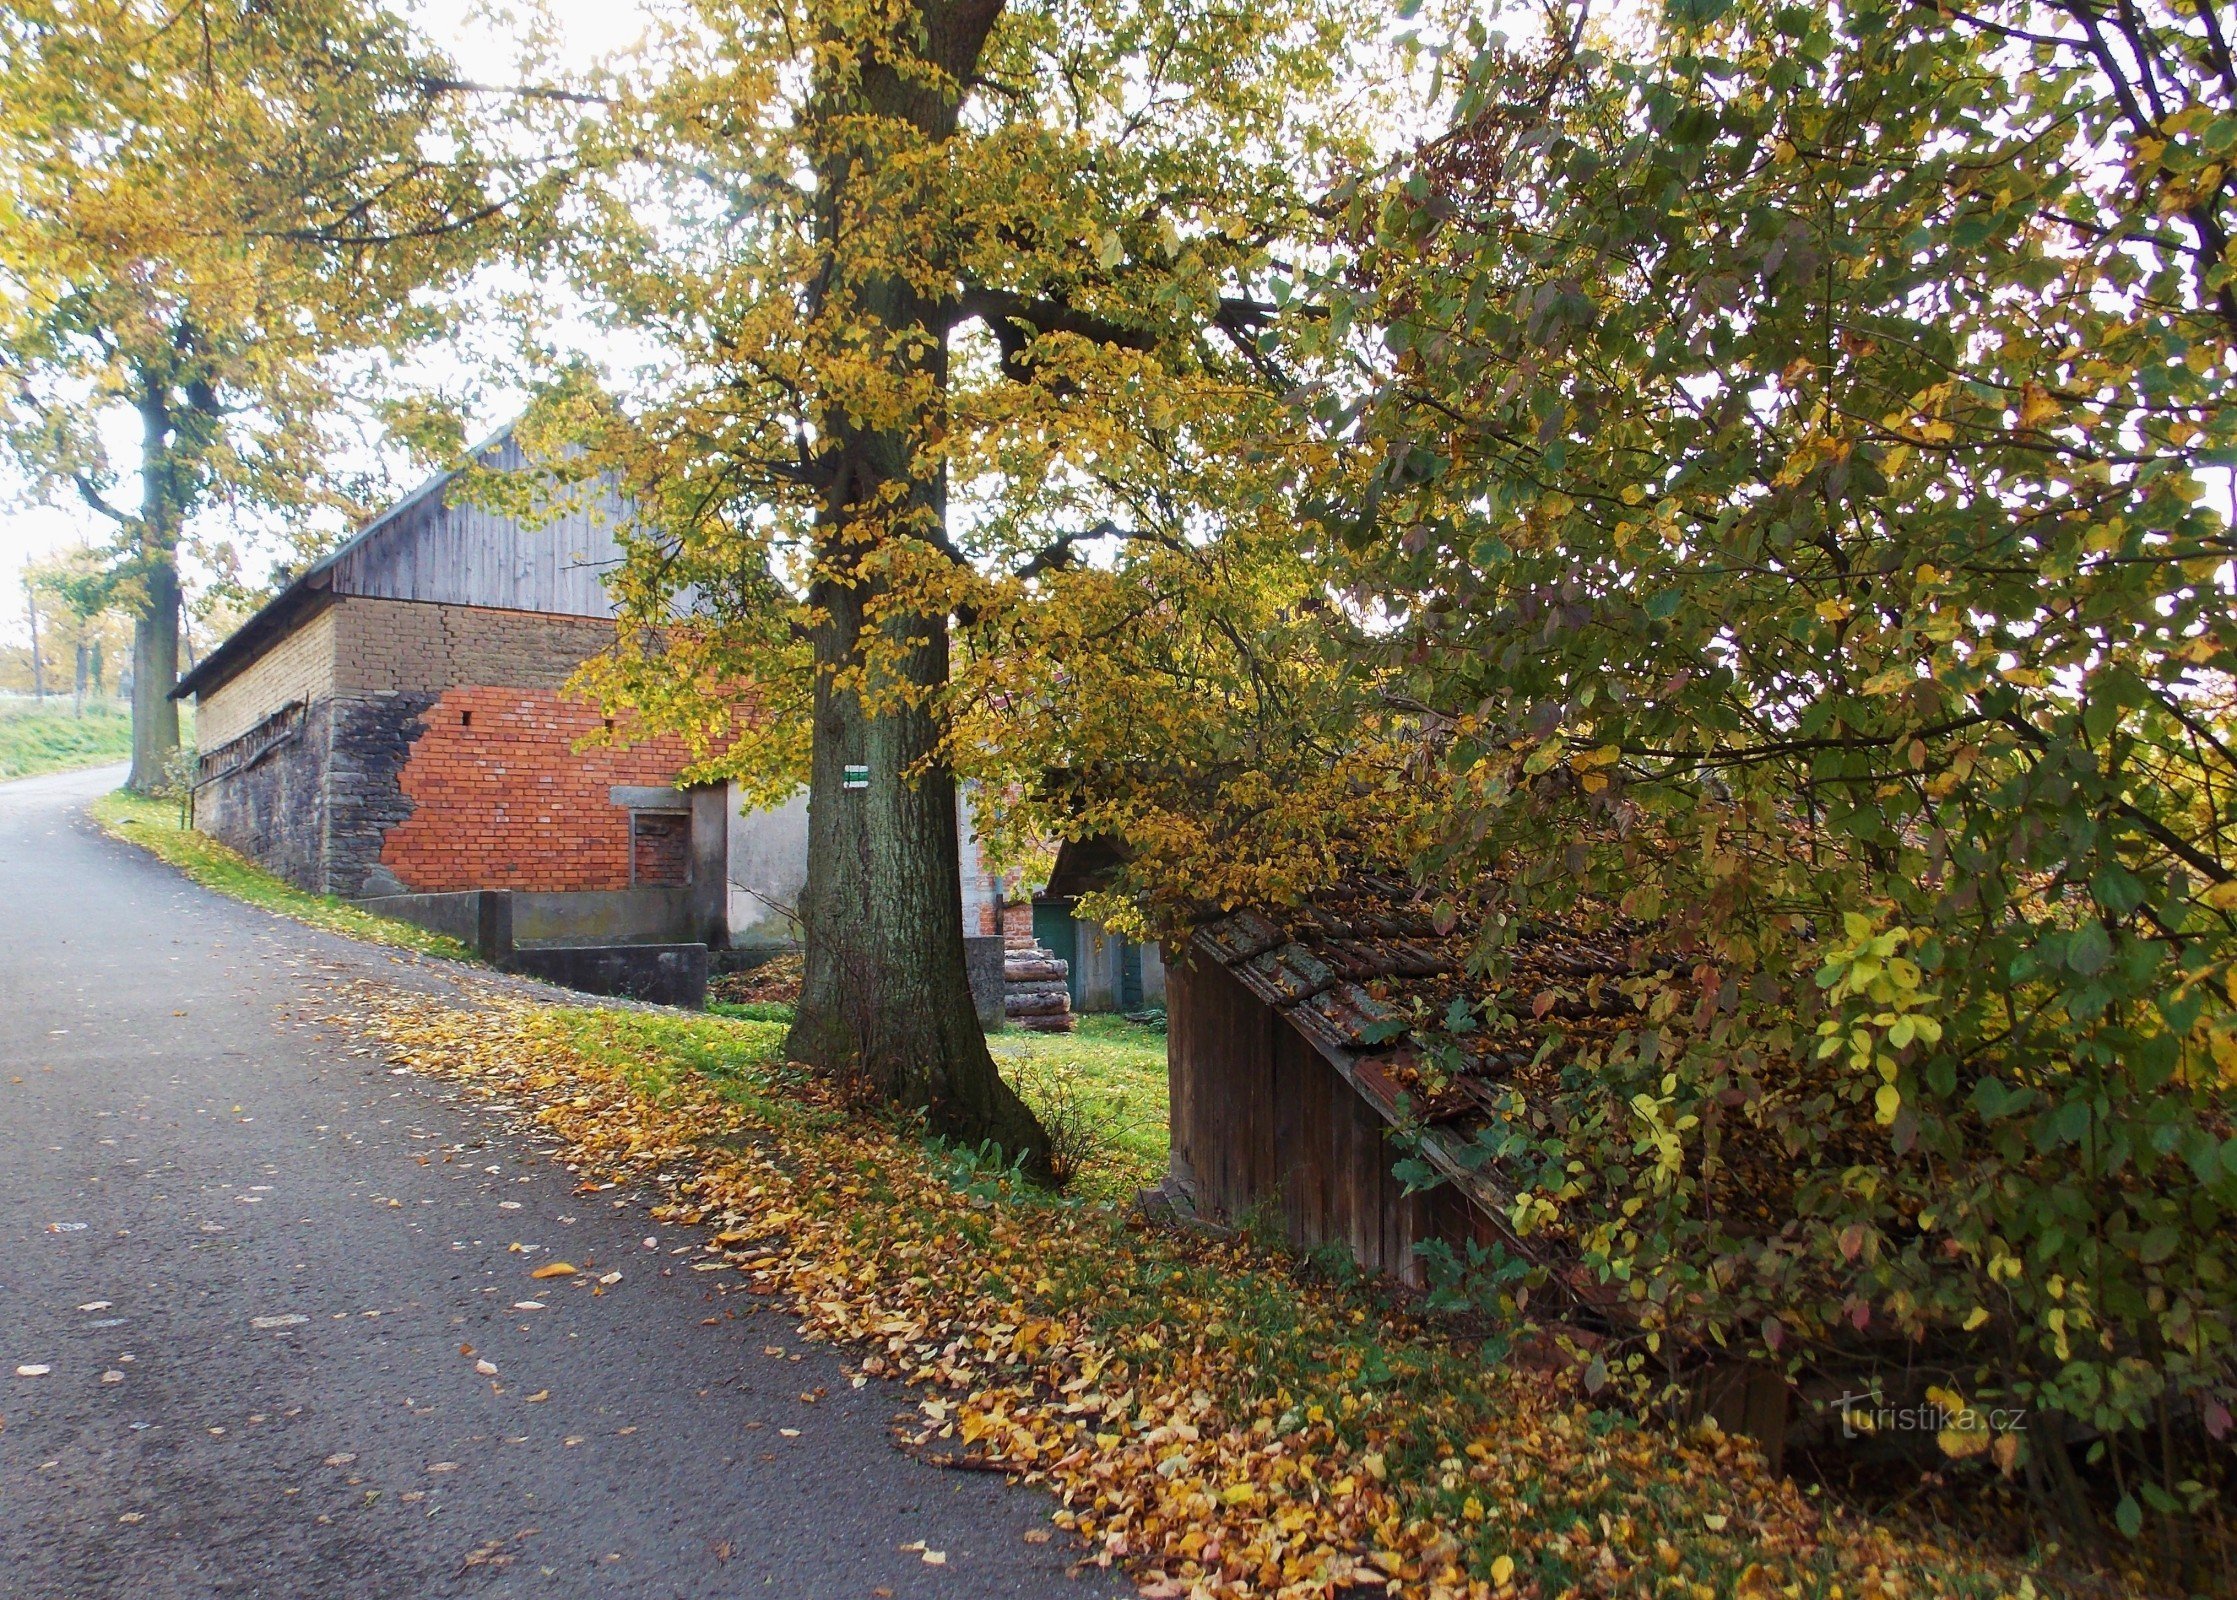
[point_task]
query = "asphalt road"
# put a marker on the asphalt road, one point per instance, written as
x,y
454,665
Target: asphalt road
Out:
x,y
236,1271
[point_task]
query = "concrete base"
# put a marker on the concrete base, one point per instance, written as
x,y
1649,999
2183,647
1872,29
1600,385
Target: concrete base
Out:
x,y
744,958
665,974
983,961
651,915
488,921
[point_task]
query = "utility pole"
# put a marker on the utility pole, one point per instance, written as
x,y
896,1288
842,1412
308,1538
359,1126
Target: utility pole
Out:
x,y
38,667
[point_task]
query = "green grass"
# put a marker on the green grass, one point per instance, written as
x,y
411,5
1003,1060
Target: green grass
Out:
x,y
751,1010
1103,1085
1109,1075
155,825
656,1052
49,739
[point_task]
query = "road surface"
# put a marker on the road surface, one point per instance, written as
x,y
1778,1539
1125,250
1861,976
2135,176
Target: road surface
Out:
x,y
236,1272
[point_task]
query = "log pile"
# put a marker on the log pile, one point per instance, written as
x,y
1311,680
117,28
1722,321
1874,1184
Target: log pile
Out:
x,y
1036,987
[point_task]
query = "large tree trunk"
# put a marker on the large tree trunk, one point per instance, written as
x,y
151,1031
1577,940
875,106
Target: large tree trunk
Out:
x,y
886,1002
155,672
155,631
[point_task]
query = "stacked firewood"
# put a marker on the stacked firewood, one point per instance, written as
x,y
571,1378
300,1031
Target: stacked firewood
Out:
x,y
1036,986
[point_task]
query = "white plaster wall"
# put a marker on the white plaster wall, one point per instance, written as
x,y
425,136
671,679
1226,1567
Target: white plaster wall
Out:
x,y
1153,976
768,871
978,884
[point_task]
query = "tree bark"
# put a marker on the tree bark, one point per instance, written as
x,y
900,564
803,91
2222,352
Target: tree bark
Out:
x,y
155,671
155,629
885,1001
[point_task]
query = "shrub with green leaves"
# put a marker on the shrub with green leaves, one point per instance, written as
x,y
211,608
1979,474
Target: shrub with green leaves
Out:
x,y
1791,500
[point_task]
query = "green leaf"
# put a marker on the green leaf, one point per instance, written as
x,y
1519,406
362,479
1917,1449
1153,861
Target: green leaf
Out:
x,y
2089,948
2129,1516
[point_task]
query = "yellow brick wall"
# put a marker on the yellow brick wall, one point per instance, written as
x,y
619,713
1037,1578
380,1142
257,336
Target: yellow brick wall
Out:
x,y
410,645
299,667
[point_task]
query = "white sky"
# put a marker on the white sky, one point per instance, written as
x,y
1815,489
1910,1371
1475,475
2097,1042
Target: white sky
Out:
x,y
592,30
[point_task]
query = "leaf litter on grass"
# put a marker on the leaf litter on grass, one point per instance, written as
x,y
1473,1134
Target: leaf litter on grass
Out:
x,y
1206,1417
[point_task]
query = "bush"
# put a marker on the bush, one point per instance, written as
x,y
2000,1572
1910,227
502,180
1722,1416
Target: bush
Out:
x,y
1076,1132
1785,502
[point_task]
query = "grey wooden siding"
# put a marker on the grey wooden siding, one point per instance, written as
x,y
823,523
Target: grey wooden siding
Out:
x,y
428,548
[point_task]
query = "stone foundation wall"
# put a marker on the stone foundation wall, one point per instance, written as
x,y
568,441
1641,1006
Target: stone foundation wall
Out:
x,y
311,795
373,738
263,792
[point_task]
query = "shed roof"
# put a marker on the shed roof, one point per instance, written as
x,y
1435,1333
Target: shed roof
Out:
x,y
1365,966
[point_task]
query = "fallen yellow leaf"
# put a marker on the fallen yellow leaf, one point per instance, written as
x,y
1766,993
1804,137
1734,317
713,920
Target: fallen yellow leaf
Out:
x,y
554,1269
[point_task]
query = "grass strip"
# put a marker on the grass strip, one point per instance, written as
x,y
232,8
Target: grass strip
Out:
x,y
155,826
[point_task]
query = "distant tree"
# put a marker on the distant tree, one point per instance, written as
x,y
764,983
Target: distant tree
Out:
x,y
224,221
946,296
74,595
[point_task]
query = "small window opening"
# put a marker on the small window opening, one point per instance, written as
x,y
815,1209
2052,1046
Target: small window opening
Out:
x,y
660,848
466,719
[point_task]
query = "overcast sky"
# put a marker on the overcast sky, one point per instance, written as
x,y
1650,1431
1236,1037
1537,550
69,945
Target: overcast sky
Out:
x,y
594,30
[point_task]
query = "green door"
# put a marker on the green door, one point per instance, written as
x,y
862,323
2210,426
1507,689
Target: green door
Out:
x,y
1130,976
1053,926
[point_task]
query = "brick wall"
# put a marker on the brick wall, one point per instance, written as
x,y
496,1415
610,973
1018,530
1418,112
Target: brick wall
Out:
x,y
416,646
299,667
401,777
499,798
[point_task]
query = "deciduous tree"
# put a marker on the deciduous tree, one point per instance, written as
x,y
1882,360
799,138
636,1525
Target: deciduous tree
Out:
x,y
948,294
222,222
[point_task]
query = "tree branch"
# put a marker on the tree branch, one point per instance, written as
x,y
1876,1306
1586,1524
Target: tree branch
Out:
x,y
92,496
1057,554
519,91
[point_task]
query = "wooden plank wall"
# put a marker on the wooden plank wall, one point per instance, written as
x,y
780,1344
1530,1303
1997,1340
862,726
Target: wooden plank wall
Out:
x,y
463,554
1259,1115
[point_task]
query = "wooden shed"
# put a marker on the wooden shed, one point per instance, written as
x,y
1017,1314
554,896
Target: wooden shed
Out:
x,y
1267,1113
1292,1061
1291,1066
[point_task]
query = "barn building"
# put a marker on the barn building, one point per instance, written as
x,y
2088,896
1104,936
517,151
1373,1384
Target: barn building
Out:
x,y
390,727
1107,970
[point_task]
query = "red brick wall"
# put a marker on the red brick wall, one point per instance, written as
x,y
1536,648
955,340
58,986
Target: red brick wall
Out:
x,y
502,800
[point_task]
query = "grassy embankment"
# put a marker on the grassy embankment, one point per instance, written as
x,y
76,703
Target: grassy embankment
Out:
x,y
156,826
37,738
1101,1091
